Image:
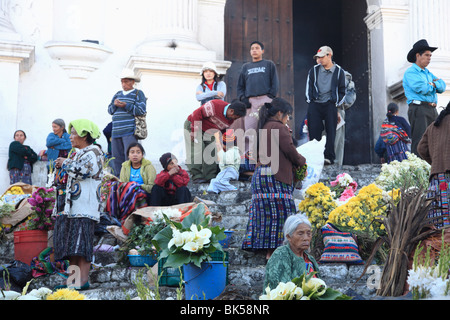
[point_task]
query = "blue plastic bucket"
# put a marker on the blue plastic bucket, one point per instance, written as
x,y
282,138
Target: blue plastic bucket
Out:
x,y
205,283
226,242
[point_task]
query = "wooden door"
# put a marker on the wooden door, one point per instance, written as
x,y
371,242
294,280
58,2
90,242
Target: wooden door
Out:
x,y
268,21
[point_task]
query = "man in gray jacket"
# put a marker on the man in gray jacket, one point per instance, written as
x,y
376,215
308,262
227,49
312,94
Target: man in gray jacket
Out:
x,y
325,92
258,84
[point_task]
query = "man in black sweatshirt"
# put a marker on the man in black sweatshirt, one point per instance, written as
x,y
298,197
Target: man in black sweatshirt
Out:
x,y
258,83
325,92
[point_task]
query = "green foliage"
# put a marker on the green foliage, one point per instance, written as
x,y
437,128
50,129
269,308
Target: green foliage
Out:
x,y
189,241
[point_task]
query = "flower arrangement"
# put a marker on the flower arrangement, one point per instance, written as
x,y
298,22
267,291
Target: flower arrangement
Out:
x,y
191,241
317,205
66,294
360,214
301,173
42,202
413,172
306,287
343,188
428,279
35,294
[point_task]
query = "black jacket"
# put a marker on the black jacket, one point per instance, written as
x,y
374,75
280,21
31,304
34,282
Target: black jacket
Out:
x,y
337,85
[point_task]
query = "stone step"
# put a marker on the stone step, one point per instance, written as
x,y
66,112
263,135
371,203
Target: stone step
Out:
x,y
245,269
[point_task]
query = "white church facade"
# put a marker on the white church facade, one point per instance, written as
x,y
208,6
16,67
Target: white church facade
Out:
x,y
63,58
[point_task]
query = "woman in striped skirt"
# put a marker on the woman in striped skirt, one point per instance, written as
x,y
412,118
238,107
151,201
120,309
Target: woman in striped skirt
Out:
x,y
435,149
272,182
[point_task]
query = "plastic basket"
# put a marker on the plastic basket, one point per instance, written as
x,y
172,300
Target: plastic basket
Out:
x,y
226,242
168,277
142,261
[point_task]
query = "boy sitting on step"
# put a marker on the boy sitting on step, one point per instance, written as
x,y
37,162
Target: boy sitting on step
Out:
x,y
170,184
229,158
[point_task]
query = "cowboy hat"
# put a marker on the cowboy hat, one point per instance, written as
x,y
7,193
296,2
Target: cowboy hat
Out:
x,y
209,66
129,74
421,45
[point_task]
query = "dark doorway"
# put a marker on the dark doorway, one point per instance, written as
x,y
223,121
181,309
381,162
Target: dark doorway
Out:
x,y
293,30
340,25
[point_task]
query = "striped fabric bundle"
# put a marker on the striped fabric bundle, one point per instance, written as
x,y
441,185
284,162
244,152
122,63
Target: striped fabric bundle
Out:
x,y
124,198
391,133
340,247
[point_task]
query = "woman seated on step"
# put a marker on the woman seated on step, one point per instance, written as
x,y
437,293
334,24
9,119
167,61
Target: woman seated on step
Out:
x,y
291,260
132,192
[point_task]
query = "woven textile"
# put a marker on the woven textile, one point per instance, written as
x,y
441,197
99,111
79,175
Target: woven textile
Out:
x,y
73,237
272,204
124,198
24,175
440,189
340,247
396,151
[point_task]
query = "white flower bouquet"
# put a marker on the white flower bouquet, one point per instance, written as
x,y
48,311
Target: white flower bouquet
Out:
x,y
191,241
414,172
307,287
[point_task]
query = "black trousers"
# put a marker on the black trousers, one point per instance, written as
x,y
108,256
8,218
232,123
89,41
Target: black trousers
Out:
x,y
160,198
420,117
323,116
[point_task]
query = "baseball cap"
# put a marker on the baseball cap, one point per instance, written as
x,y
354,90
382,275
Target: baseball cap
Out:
x,y
323,51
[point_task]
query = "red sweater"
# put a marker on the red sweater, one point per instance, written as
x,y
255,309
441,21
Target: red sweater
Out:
x,y
172,183
211,115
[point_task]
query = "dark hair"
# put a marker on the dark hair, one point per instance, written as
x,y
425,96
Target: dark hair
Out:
x,y
240,109
269,110
89,139
442,115
257,42
25,135
217,78
135,144
392,109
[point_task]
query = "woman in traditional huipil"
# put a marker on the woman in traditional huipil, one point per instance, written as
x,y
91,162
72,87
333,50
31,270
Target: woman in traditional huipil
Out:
x,y
272,183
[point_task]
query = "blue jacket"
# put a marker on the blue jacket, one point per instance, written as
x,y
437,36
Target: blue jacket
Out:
x,y
56,144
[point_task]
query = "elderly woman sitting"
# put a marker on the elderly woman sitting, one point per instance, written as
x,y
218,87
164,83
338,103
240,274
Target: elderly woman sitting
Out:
x,y
291,260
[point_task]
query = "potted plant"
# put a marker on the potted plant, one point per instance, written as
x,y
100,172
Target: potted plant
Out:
x,y
32,236
138,246
192,244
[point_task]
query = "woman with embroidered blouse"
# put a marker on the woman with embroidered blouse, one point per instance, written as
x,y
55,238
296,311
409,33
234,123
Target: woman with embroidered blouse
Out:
x,y
73,235
291,260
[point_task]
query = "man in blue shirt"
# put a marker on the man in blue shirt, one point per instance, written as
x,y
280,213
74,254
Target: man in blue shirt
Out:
x,y
421,89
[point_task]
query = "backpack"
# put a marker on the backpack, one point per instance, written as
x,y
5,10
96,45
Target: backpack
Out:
x,y
350,91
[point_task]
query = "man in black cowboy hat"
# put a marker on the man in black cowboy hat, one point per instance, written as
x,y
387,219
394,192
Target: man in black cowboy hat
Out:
x,y
421,89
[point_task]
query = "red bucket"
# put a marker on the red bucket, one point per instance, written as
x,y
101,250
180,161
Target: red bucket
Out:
x,y
29,244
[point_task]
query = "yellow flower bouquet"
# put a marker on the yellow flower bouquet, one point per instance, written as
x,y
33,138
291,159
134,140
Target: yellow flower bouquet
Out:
x,y
361,213
318,204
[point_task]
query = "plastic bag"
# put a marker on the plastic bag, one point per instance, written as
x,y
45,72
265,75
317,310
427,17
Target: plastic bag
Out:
x,y
16,274
313,151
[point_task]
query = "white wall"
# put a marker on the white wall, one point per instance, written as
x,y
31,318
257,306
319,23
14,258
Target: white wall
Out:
x,y
47,91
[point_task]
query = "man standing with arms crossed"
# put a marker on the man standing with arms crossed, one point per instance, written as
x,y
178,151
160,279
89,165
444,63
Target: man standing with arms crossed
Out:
x,y
258,84
421,89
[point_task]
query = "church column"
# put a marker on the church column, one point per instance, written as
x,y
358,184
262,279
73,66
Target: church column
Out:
x,y
171,58
78,34
15,57
387,21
